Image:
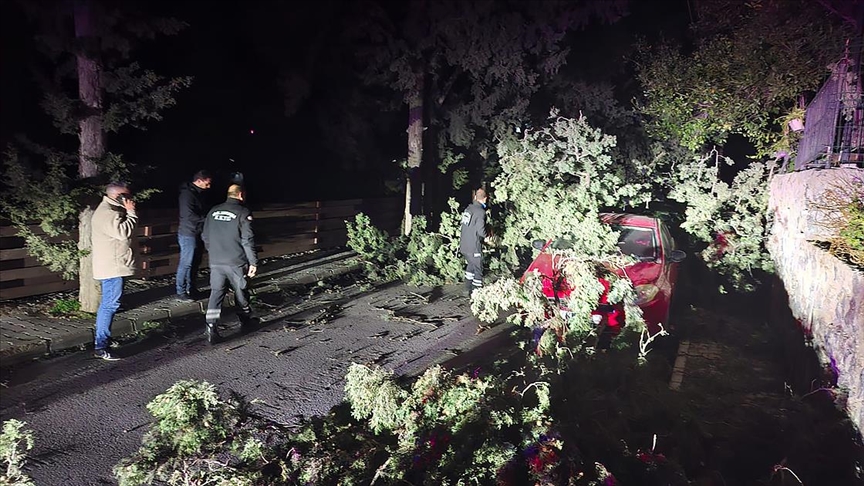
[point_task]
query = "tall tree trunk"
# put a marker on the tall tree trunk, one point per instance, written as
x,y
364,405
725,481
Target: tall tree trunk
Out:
x,y
89,292
413,194
91,146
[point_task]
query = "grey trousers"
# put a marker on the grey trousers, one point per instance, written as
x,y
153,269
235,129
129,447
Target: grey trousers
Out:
x,y
473,271
220,277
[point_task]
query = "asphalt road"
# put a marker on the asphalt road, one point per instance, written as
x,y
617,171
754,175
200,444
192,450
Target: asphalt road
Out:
x,y
87,414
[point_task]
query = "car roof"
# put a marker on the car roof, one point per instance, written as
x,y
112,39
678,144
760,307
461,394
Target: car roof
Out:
x,y
629,220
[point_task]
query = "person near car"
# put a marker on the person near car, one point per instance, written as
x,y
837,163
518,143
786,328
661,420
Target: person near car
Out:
x,y
230,245
193,211
113,226
471,240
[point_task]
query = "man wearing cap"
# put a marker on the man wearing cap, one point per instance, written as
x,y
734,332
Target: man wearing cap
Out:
x,y
230,245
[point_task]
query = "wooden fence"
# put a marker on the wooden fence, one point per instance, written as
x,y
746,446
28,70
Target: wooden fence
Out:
x,y
279,230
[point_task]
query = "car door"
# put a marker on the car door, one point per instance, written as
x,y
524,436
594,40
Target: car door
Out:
x,y
670,268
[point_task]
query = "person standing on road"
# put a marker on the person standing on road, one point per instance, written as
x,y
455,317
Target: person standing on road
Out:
x,y
230,244
193,211
113,226
471,240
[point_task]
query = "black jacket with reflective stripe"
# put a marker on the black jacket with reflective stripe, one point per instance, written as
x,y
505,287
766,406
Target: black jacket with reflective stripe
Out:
x,y
473,229
228,235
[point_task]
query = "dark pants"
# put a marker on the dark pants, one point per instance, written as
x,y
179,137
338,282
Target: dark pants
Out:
x,y
473,271
220,277
187,266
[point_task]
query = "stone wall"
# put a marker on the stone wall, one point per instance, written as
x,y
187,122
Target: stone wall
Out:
x,y
825,294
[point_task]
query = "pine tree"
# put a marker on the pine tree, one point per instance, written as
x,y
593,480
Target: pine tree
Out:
x,y
467,68
88,42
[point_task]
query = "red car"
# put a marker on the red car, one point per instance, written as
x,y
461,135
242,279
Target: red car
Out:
x,y
653,276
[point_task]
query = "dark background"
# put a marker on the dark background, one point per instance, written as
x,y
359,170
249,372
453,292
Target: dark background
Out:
x,y
239,54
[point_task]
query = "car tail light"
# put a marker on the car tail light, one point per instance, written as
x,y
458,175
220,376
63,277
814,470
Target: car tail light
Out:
x,y
646,293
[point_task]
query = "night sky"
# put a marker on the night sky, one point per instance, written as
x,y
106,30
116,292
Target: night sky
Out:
x,y
238,53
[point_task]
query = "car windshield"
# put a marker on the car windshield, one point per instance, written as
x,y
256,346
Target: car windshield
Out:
x,y
637,242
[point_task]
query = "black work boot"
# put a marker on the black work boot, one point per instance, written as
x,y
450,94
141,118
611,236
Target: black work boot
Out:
x,y
247,323
212,333
469,287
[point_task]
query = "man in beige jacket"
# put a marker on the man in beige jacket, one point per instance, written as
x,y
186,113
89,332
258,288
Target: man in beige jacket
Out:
x,y
113,227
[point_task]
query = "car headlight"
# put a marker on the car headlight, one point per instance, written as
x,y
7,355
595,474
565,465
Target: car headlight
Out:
x,y
646,293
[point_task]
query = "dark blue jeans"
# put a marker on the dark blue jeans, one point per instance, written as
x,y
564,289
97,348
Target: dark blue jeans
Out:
x,y
112,289
187,266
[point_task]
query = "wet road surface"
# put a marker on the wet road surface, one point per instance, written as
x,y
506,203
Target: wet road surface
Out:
x,y
87,414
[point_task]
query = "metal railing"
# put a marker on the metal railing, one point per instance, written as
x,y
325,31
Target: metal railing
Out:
x,y
834,129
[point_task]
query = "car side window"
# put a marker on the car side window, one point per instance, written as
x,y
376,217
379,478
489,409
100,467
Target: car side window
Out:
x,y
637,242
666,237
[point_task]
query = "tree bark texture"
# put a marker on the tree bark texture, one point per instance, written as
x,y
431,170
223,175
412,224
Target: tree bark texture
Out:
x,y
89,291
413,196
406,219
91,146
91,139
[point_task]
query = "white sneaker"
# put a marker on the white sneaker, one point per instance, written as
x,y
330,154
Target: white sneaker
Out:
x,y
103,354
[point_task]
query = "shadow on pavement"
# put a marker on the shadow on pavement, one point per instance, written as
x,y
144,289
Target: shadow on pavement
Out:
x,y
185,335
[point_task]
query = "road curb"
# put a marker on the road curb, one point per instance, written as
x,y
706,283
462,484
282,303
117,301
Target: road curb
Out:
x,y
25,352
167,309
70,340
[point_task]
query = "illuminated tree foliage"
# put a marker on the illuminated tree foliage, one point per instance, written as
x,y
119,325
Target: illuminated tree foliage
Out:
x,y
750,63
556,180
842,209
424,257
191,424
730,218
15,443
441,428
747,72
554,183
41,190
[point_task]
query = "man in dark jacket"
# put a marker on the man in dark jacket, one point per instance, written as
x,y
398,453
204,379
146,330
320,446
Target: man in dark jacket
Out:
x,y
231,248
471,240
193,210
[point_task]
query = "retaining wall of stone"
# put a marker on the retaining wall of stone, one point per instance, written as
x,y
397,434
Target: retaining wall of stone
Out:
x,y
825,294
